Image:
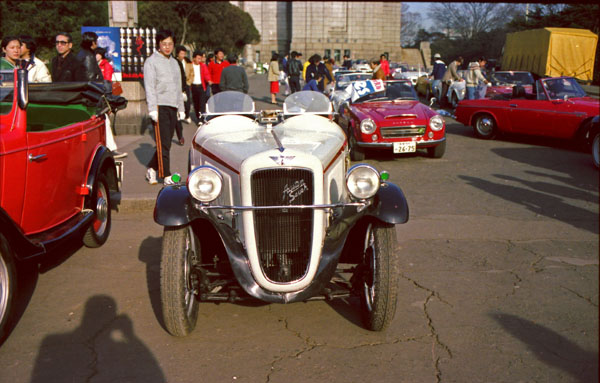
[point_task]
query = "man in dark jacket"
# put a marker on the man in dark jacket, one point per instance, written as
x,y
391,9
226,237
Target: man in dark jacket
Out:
x,y
89,42
65,66
234,77
294,71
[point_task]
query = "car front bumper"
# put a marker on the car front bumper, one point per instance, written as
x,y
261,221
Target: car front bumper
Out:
x,y
389,145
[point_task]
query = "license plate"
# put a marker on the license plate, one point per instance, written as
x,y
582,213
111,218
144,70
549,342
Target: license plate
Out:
x,y
405,147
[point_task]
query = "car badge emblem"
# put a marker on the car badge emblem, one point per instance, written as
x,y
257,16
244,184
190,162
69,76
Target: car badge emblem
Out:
x,y
281,159
293,191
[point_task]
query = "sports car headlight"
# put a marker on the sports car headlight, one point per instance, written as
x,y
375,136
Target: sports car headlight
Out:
x,y
362,181
204,183
367,126
436,123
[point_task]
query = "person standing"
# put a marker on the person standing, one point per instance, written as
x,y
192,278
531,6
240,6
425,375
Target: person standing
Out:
x,y
474,76
11,48
450,75
105,66
439,68
234,77
311,70
37,70
215,68
385,65
325,76
378,73
200,83
181,54
273,77
89,42
295,69
179,125
65,66
162,81
329,84
347,63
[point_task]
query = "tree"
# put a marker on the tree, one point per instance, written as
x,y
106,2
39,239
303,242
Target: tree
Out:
x,y
410,24
466,20
202,24
43,19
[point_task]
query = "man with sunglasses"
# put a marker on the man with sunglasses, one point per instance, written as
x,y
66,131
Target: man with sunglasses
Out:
x,y
65,66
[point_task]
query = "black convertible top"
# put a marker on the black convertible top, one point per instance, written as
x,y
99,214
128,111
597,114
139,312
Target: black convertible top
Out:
x,y
67,93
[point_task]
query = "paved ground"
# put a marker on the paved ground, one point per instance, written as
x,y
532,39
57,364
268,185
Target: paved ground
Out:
x,y
499,283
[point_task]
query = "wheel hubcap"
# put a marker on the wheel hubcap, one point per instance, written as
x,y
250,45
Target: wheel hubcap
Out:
x,y
485,125
191,280
4,288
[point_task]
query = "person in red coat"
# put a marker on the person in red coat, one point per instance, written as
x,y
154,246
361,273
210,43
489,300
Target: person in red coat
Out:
x,y
215,68
385,66
105,66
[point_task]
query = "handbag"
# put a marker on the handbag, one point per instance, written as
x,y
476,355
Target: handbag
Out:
x,y
117,90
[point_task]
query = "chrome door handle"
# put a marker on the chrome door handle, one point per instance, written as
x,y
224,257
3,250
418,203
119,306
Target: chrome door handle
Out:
x,y
36,158
512,105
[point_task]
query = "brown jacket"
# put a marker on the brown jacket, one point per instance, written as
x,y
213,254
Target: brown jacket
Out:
x,y
379,75
189,72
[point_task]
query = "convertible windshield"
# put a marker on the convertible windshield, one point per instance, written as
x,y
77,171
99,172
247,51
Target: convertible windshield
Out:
x,y
230,102
401,90
307,102
7,83
342,81
558,88
511,78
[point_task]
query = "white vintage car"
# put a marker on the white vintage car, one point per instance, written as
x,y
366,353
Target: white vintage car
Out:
x,y
272,210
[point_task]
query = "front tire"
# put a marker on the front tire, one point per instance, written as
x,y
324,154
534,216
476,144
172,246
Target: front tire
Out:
x,y
8,283
437,151
178,282
485,126
454,100
380,276
596,150
97,233
356,152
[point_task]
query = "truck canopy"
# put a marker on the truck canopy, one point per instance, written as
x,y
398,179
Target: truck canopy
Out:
x,y
552,52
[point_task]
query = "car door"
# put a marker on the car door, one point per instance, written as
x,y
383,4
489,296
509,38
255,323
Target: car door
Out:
x,y
55,167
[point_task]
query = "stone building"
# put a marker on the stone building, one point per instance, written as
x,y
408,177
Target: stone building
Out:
x,y
359,29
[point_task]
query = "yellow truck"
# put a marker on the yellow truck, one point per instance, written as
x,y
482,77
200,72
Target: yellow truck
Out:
x,y
552,52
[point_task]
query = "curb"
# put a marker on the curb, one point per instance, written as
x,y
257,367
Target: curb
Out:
x,y
132,204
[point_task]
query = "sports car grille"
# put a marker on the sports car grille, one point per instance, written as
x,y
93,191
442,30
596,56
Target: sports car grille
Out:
x,y
283,236
402,131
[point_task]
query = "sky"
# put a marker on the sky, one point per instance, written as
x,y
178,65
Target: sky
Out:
x,y
422,9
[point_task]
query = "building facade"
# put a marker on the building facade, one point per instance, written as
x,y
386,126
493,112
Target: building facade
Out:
x,y
361,30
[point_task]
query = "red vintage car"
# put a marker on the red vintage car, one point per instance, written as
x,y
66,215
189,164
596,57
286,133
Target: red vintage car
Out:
x,y
56,174
559,108
390,117
503,82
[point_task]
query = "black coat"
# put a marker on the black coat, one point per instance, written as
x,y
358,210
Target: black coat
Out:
x,y
70,69
90,65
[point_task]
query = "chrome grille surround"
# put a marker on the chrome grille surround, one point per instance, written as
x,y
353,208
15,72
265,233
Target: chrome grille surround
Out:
x,y
402,131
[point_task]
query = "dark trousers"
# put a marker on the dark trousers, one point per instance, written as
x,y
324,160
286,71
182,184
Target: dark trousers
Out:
x,y
443,99
163,134
199,96
215,89
294,84
188,104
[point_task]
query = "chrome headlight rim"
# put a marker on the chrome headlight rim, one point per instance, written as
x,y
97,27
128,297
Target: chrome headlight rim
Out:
x,y
368,126
208,173
436,123
353,189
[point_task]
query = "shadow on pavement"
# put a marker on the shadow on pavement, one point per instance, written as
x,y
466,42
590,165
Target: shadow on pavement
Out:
x,y
143,153
103,347
150,254
551,348
349,308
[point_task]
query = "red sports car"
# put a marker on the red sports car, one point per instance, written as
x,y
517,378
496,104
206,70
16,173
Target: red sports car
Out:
x,y
559,108
388,115
504,81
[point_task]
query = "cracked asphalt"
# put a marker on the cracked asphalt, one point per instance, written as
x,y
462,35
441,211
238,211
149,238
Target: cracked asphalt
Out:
x,y
499,283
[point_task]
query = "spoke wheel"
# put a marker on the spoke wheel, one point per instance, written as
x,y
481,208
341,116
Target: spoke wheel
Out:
x,y
596,150
380,276
178,281
97,233
485,126
7,287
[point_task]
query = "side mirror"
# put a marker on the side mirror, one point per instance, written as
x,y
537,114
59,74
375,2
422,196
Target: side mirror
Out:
x,y
432,101
22,89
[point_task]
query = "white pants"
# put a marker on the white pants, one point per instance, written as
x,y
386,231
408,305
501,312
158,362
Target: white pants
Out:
x,y
110,139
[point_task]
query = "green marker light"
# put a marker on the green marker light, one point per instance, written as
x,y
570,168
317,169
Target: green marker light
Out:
x,y
176,177
384,176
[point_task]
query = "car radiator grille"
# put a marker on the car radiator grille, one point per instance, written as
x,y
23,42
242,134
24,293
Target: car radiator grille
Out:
x,y
402,131
283,236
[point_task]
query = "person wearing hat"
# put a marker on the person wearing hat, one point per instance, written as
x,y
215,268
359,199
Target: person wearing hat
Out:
x,y
439,68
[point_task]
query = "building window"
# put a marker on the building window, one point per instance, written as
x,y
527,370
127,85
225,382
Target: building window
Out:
x,y
327,53
257,56
347,52
336,55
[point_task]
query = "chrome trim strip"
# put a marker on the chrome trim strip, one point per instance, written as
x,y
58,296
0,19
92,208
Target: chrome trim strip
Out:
x,y
322,206
520,109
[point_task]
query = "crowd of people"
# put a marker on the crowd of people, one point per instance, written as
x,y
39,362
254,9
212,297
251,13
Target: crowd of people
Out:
x,y
444,76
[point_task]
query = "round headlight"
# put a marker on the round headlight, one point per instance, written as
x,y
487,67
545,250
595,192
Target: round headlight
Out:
x,y
205,183
362,181
436,123
367,126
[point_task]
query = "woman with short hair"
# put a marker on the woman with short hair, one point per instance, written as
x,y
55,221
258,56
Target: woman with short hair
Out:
x,y
273,77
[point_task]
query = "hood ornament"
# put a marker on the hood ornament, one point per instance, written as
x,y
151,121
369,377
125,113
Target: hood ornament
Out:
x,y
281,159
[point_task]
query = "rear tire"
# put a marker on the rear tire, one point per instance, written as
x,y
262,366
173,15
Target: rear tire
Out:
x,y
454,100
437,151
380,276
98,231
8,283
596,149
485,126
178,282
